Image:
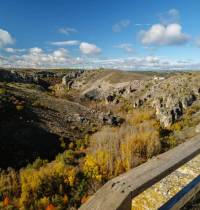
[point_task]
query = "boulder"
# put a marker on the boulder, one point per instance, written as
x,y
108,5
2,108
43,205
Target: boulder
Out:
x,y
138,103
197,129
110,98
93,94
110,119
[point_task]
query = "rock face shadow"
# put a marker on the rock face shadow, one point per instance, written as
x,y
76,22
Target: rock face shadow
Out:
x,y
22,141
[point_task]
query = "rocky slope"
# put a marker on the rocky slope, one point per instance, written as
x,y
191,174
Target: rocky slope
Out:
x,y
170,94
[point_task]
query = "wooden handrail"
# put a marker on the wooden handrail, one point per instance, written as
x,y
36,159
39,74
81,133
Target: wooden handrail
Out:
x,y
117,194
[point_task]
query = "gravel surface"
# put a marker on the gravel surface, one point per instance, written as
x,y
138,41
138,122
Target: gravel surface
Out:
x,y
162,191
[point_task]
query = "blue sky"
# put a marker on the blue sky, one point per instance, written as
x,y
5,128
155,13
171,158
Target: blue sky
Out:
x,y
128,34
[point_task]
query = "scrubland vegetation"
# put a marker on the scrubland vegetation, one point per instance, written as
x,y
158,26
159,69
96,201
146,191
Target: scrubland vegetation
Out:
x,y
115,150
74,175
85,165
51,171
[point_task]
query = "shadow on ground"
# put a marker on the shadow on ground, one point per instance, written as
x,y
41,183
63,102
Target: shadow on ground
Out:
x,y
22,140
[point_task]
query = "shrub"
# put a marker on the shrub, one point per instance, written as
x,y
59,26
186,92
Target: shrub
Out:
x,y
140,115
46,181
2,91
38,163
176,126
115,150
19,107
171,141
67,157
9,183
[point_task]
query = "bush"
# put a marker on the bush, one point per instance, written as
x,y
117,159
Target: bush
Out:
x,y
115,150
52,181
2,91
67,157
19,107
171,141
140,115
37,163
9,183
176,126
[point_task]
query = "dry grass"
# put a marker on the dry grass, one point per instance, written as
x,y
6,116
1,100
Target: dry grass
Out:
x,y
116,150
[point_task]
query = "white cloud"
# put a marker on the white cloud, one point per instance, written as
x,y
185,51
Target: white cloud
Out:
x,y
152,59
145,63
89,49
65,43
14,50
160,34
5,38
36,57
120,25
67,31
126,47
35,51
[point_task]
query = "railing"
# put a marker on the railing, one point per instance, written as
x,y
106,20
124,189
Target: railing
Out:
x,y
117,194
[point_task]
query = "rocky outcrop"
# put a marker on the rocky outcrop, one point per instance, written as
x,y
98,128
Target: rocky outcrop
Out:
x,y
42,78
93,94
69,78
112,98
77,118
197,129
110,119
170,108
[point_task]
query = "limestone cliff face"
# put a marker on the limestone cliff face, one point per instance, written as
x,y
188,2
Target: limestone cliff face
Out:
x,y
170,108
68,79
43,78
172,96
169,96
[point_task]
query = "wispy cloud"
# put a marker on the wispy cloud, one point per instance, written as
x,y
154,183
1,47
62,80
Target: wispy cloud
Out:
x,y
13,50
66,43
126,47
170,16
117,27
67,31
142,24
197,42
